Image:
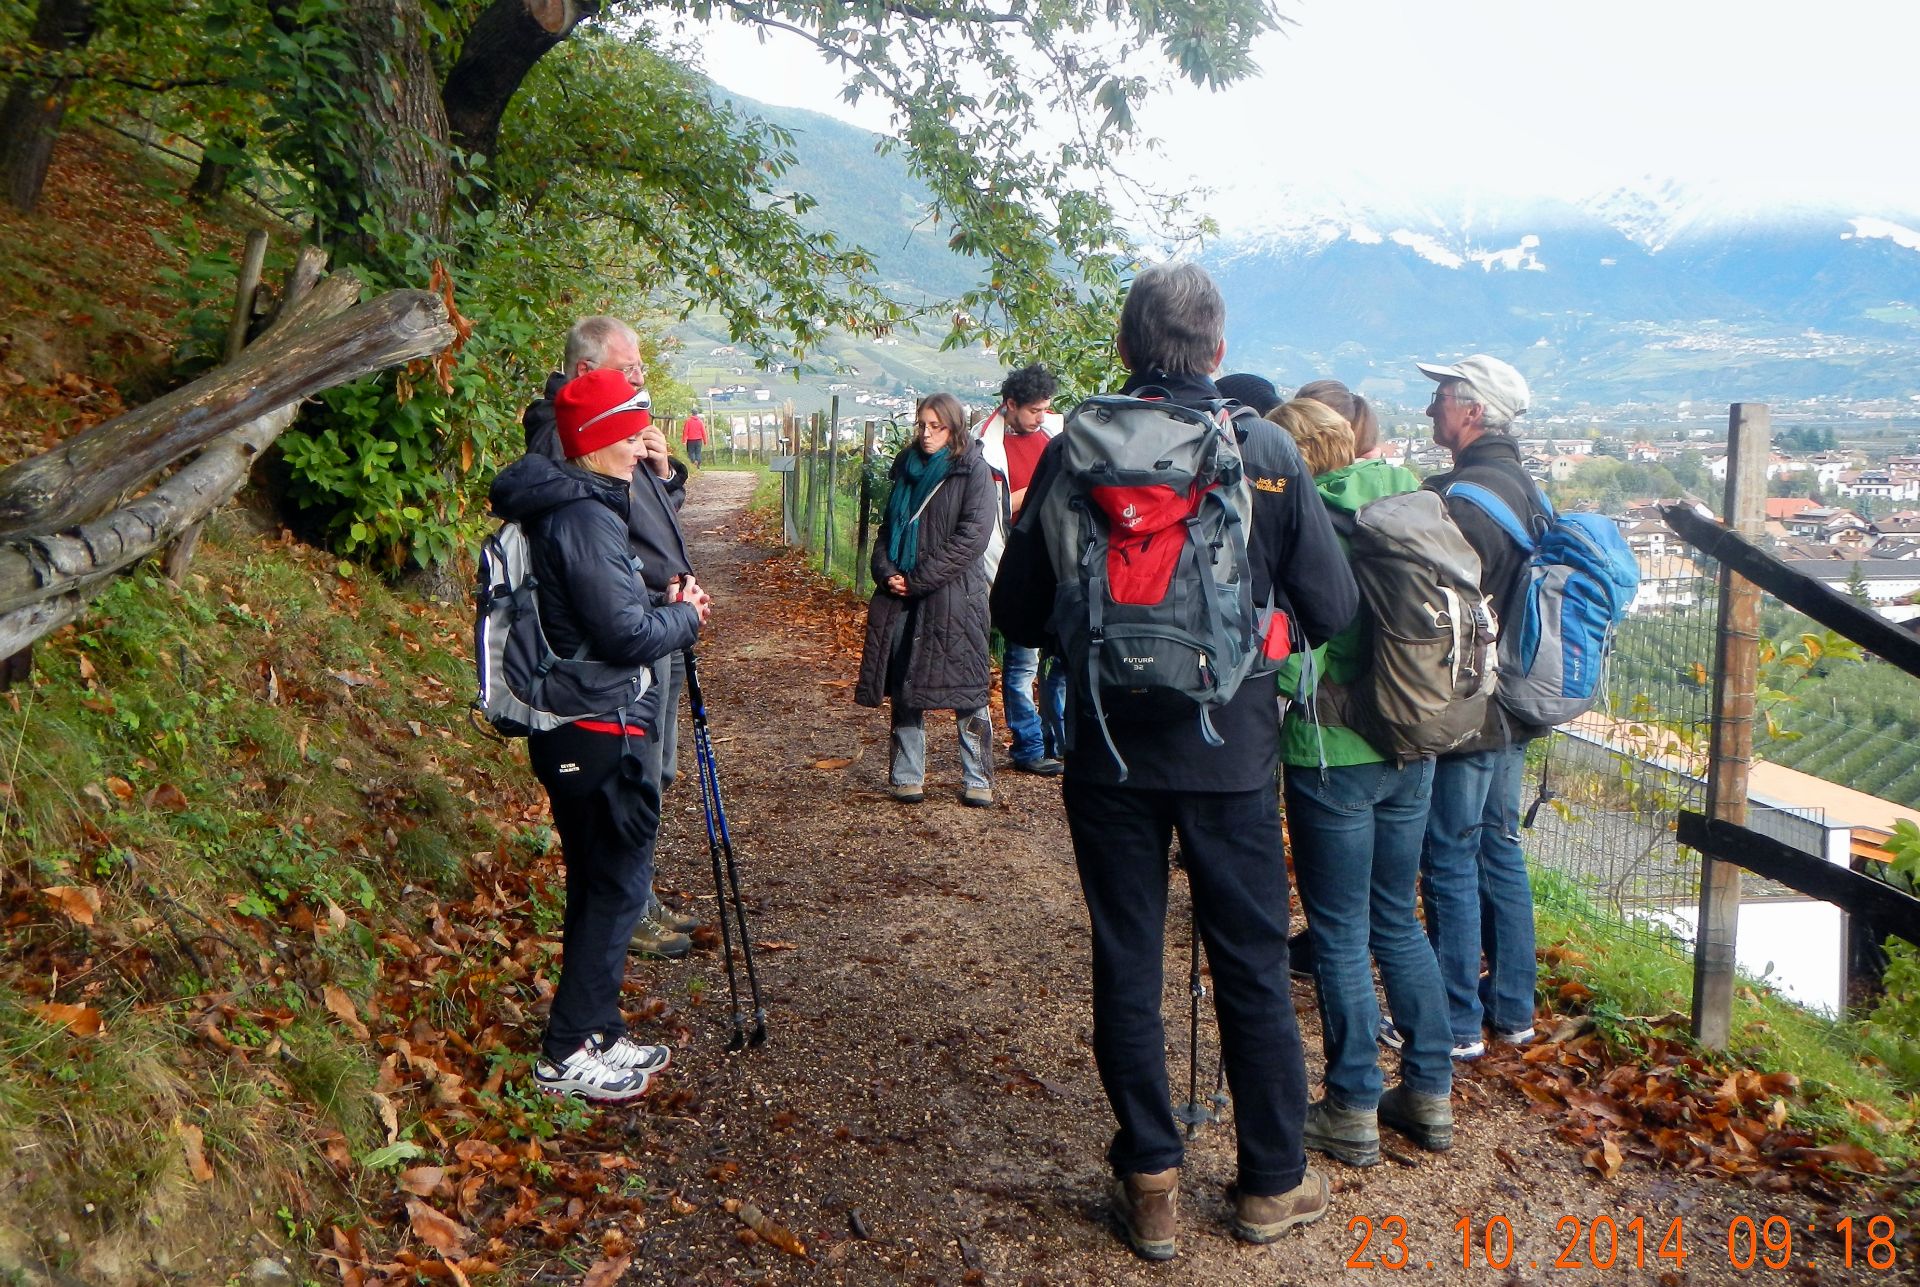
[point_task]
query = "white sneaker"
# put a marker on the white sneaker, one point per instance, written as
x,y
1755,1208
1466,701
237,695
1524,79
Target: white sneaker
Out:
x,y
585,1075
625,1052
1520,1038
1393,1039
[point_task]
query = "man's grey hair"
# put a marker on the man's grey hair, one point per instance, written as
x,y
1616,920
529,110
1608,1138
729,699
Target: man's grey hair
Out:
x,y
588,341
1173,321
1492,419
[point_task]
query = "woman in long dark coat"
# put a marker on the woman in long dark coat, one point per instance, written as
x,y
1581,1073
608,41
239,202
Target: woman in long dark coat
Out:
x,y
926,645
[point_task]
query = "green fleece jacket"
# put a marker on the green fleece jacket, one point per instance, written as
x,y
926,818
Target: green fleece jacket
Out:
x,y
1345,657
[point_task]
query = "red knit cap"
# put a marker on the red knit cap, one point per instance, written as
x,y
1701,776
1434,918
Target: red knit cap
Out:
x,y
596,409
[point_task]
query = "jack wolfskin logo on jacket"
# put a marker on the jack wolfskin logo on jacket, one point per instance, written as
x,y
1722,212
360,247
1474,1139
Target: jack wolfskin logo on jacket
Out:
x,y
1147,532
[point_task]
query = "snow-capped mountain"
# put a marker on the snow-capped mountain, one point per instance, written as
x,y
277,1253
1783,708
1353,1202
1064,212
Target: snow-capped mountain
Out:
x,y
1647,293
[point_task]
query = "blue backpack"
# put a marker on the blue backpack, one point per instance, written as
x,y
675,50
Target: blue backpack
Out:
x,y
1581,579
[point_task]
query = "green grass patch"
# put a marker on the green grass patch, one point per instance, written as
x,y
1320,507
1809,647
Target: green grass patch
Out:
x,y
216,800
1854,1076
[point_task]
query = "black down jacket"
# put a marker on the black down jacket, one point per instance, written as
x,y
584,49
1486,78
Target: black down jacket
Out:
x,y
590,590
946,603
653,525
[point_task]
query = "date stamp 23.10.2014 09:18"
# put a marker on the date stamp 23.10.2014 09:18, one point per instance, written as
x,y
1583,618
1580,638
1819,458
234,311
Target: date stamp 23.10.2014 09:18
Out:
x,y
1606,1242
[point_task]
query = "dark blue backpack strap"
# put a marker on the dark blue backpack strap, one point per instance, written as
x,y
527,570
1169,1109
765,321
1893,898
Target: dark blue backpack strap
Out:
x,y
1496,509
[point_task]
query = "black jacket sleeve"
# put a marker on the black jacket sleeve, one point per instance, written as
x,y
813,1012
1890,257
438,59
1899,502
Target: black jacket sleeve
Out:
x,y
1024,588
611,607
1293,541
543,431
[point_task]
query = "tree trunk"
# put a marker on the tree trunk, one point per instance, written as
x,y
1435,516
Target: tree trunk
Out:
x,y
384,162
30,121
210,181
509,37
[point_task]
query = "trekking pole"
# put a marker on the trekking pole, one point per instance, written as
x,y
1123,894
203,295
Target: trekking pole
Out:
x,y
1193,1114
719,846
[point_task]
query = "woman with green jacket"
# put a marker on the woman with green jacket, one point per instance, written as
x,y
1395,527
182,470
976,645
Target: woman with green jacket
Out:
x,y
1356,819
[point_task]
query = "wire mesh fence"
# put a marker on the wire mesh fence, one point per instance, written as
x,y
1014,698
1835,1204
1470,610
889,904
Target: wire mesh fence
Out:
x,y
1604,793
836,491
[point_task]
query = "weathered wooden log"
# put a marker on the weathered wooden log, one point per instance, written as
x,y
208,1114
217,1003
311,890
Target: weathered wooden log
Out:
x,y
178,556
47,580
86,475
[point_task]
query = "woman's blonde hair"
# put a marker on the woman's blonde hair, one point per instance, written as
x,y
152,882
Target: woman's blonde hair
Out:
x,y
1324,438
1366,425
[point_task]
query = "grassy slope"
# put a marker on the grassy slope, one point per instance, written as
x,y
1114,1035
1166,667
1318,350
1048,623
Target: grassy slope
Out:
x,y
264,781
234,816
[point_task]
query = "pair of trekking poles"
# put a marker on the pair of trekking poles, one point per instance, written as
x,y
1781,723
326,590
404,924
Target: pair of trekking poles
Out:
x,y
726,884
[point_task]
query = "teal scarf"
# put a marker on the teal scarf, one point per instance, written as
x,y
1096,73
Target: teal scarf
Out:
x,y
919,475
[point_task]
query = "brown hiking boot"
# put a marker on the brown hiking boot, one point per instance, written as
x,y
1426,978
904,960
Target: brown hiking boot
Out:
x,y
1148,1206
1262,1219
1427,1120
652,938
1349,1135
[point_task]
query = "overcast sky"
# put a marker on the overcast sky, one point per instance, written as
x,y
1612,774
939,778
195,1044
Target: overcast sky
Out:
x,y
1762,100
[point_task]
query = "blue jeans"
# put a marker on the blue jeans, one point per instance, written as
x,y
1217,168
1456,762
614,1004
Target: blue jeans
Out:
x,y
1356,832
1036,730
1473,880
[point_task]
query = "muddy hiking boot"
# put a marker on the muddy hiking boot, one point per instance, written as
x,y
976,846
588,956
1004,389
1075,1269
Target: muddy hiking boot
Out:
x,y
1262,1219
678,922
1427,1120
1350,1135
652,937
1147,1205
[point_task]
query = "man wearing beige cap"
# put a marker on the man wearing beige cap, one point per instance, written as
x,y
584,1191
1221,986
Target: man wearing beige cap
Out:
x,y
1473,876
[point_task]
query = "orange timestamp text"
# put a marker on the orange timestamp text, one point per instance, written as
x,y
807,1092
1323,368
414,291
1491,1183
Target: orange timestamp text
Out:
x,y
1602,1242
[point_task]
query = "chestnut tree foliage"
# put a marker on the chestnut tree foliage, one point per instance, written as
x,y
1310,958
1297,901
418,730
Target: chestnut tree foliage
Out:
x,y
563,156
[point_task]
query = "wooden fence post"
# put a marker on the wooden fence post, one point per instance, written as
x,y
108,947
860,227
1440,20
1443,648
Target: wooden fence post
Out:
x,y
812,461
1735,671
253,263
833,458
866,503
789,481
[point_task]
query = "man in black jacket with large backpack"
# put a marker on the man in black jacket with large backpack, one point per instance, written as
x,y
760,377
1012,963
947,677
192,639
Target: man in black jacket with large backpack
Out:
x,y
653,531
1473,876
1164,775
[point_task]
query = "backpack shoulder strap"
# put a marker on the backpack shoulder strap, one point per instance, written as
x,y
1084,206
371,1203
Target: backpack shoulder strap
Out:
x,y
1496,509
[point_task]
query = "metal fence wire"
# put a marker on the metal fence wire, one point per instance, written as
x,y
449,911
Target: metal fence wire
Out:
x,y
1603,794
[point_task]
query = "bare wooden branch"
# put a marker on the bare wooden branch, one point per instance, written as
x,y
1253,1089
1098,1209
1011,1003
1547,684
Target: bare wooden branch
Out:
x,y
252,261
47,580
86,475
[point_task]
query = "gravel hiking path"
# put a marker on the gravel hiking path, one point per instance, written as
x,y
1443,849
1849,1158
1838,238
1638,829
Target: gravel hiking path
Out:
x,y
927,1109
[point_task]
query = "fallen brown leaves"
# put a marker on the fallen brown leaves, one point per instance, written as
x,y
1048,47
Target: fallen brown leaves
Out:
x,y
1660,1100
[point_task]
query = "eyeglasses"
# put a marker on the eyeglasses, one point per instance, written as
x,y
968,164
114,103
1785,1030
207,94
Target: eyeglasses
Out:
x,y
1452,397
636,374
929,426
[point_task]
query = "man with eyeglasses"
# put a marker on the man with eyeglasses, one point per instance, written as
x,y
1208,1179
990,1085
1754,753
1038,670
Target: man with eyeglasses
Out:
x,y
603,343
1473,876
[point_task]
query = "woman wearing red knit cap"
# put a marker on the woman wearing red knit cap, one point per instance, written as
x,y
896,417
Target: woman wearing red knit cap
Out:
x,y
593,603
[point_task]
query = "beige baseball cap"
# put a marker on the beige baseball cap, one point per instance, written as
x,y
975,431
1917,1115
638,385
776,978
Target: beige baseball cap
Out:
x,y
1498,384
